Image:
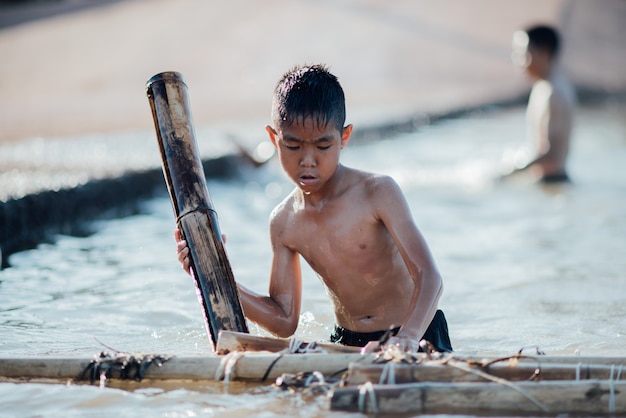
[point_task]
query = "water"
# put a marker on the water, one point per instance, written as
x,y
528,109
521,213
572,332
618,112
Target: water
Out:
x,y
524,266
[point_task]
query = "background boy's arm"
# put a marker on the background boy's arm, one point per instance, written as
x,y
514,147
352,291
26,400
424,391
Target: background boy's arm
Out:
x,y
394,212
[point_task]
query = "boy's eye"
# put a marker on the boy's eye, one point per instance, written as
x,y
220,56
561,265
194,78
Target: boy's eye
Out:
x,y
292,147
323,147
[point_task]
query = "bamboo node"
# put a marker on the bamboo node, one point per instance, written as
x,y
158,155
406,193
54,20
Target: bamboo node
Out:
x,y
202,209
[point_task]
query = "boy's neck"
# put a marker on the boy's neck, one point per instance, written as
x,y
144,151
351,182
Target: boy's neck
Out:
x,y
316,200
547,70
544,75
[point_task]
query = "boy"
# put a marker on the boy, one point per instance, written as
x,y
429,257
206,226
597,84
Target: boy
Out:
x,y
353,228
550,105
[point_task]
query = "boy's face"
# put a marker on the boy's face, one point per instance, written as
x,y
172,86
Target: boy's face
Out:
x,y
309,152
520,55
533,60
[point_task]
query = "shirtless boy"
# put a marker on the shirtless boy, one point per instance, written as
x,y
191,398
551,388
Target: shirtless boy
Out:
x,y
550,105
352,227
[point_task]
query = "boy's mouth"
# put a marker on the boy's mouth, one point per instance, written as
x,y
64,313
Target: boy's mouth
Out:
x,y
307,179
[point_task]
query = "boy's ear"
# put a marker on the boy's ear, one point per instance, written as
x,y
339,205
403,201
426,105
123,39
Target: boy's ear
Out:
x,y
345,135
272,133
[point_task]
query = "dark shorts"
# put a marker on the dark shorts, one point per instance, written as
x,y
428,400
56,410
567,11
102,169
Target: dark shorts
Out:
x,y
555,178
436,334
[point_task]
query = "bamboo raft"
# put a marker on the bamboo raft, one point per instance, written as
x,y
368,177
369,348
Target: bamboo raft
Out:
x,y
387,383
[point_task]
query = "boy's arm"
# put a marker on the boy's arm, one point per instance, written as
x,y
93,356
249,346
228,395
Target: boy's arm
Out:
x,y
554,129
394,212
280,311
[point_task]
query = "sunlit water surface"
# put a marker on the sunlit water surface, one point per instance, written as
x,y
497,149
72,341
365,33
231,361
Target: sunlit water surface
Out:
x,y
524,266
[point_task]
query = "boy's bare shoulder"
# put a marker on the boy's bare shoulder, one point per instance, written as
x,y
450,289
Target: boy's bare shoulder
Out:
x,y
282,210
374,183
369,179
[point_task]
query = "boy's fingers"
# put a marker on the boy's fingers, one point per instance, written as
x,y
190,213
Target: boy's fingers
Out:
x,y
370,347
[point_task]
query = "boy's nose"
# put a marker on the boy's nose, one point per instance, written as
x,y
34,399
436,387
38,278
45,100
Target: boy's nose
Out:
x,y
307,159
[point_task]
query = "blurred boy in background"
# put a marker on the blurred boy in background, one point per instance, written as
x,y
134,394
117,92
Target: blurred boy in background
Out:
x,y
550,106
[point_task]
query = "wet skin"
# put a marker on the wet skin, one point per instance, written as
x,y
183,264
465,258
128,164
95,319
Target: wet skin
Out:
x,y
355,230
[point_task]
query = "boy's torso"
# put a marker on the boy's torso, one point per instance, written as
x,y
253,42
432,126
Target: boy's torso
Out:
x,y
549,115
354,254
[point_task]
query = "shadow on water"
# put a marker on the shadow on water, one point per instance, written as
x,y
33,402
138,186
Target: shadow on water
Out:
x,y
37,218
17,12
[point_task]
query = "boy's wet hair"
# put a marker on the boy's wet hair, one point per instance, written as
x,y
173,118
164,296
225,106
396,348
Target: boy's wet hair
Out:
x,y
309,91
544,37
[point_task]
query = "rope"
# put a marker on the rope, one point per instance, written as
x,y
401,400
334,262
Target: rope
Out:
x,y
271,366
317,375
203,209
227,366
297,346
501,381
103,379
389,374
612,391
367,389
615,376
230,366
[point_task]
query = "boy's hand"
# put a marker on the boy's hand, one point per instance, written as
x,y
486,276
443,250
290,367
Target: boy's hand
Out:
x,y
370,347
182,251
405,344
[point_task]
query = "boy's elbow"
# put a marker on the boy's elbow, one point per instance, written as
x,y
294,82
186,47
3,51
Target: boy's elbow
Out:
x,y
286,330
284,327
285,334
440,289
439,281
437,285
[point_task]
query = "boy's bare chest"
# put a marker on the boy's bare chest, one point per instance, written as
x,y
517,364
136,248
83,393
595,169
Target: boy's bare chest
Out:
x,y
337,233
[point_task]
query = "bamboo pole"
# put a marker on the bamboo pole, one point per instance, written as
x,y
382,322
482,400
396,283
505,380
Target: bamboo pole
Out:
x,y
259,366
196,217
550,397
460,371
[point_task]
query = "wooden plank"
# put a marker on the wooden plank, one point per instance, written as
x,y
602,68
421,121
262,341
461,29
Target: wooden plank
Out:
x,y
553,397
254,366
459,371
195,215
230,341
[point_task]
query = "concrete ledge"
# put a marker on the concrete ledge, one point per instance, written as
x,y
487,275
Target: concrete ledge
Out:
x,y
36,218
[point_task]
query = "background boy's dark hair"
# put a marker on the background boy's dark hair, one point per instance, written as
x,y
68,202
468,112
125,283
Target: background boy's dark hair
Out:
x,y
309,91
544,37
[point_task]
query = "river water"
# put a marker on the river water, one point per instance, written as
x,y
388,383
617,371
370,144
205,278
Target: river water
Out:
x,y
524,266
